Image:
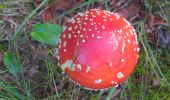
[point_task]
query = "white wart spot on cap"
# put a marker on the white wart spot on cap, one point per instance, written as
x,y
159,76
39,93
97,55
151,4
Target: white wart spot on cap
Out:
x,y
103,27
126,27
128,41
137,42
79,66
80,14
117,85
69,36
129,25
120,31
71,20
119,38
64,35
117,16
112,82
81,35
65,50
65,43
98,81
59,46
138,49
77,44
113,34
91,13
78,19
76,27
75,36
111,64
70,28
127,34
134,49
78,32
122,60
99,37
86,18
98,13
120,75
131,32
93,16
67,64
85,23
83,41
88,69
114,48
123,48
104,16
115,82
84,29
92,35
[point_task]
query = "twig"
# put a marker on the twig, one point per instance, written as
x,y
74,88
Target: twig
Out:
x,y
11,22
16,14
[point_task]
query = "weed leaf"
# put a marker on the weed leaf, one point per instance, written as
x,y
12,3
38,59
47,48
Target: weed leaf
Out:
x,y
46,33
10,93
11,63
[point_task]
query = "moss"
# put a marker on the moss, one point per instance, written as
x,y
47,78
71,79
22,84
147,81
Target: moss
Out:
x,y
139,69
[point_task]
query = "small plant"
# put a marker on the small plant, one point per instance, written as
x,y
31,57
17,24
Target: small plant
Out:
x,y
46,33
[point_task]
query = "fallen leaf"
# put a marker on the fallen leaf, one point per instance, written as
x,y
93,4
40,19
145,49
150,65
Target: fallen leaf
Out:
x,y
153,20
12,64
130,11
163,38
54,9
46,33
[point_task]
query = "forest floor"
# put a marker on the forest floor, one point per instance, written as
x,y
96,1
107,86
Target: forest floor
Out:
x,y
29,69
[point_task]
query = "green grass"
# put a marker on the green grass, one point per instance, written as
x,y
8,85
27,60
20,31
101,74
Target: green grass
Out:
x,y
153,64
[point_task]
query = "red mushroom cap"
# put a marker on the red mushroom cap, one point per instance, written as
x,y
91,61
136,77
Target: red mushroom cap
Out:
x,y
98,49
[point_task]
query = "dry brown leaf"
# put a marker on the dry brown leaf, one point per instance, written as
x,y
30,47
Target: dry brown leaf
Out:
x,y
130,11
152,38
55,8
12,23
153,20
163,38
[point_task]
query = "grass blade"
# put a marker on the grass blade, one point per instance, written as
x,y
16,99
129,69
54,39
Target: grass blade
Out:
x,y
27,18
12,64
110,93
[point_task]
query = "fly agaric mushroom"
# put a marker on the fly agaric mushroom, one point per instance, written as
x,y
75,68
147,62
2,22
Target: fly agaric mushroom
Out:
x,y
98,49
